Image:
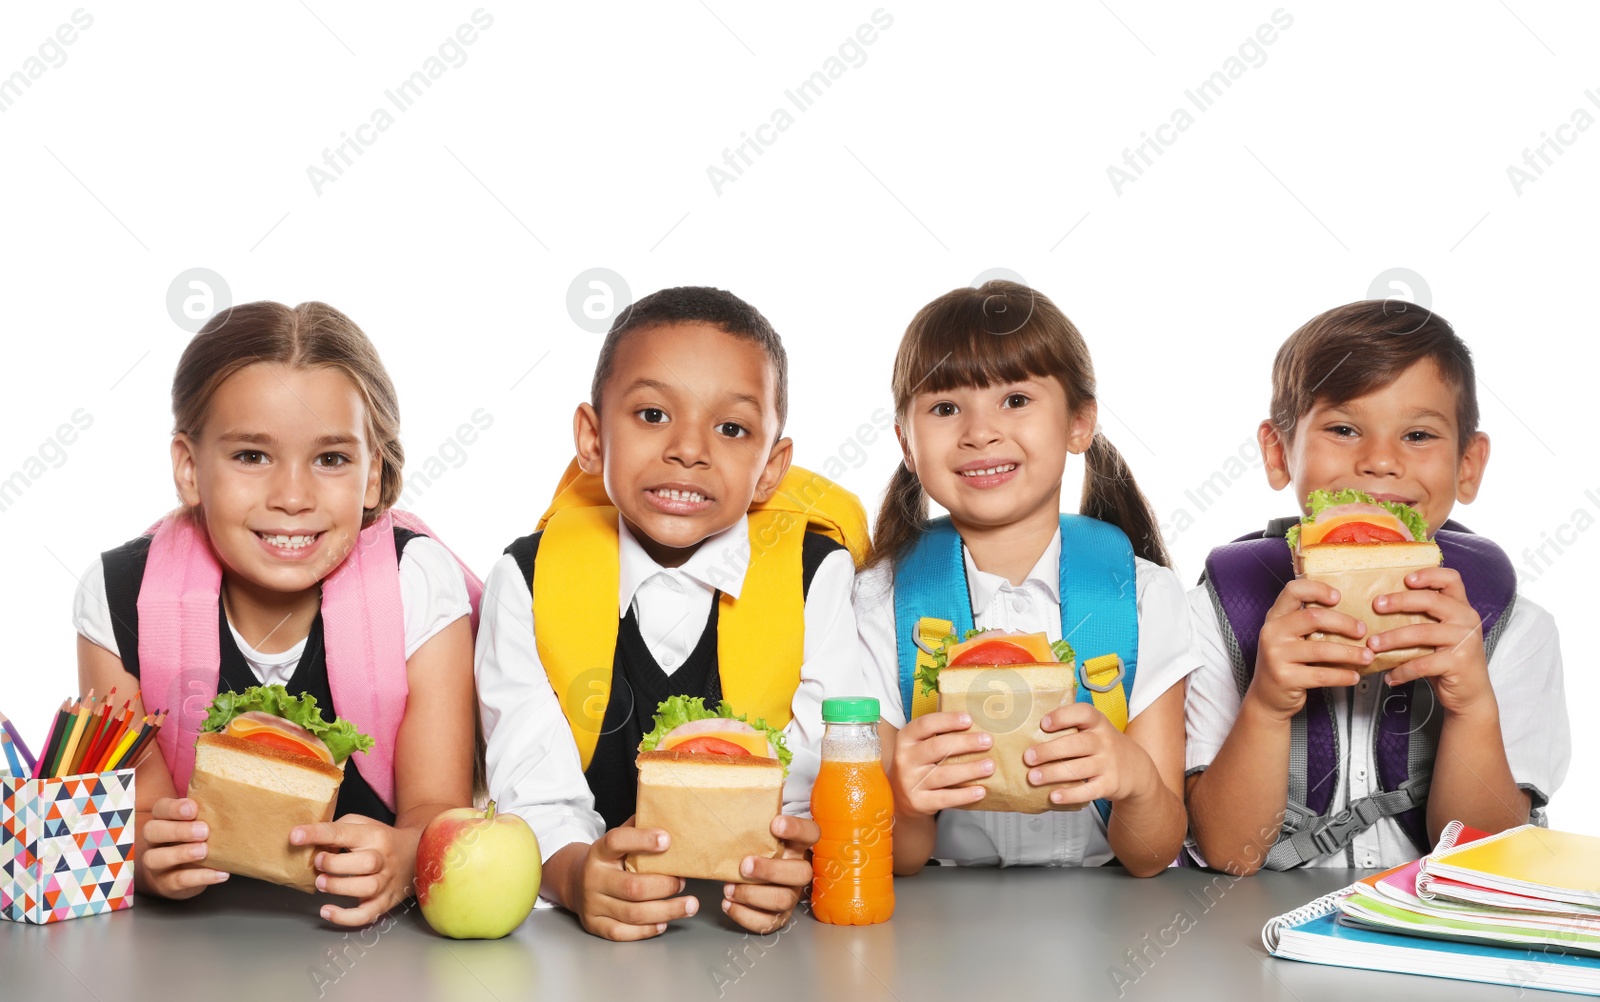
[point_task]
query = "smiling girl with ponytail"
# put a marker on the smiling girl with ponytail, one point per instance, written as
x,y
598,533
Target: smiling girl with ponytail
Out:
x,y
993,388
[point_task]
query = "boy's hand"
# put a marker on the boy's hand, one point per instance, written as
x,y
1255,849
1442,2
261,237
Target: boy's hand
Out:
x,y
923,784
171,858
1457,664
765,907
369,860
618,905
1100,761
1286,660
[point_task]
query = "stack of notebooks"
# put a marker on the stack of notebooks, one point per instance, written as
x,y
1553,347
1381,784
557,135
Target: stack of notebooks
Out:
x,y
1520,908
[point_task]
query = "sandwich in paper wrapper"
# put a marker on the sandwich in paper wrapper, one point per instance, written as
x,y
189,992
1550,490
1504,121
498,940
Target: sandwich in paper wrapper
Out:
x,y
1364,548
714,782
265,762
1006,682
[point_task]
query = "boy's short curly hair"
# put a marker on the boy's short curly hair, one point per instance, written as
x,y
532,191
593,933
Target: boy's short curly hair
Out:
x,y
1354,349
696,304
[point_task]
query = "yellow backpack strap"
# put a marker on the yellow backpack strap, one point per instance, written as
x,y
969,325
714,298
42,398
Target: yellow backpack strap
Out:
x,y
761,634
932,633
575,581
1103,677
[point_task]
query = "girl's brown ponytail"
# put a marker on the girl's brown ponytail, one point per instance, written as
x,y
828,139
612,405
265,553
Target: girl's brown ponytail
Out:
x,y
901,517
1110,494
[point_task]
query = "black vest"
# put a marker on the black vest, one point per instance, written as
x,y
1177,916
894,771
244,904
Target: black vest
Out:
x,y
638,685
124,571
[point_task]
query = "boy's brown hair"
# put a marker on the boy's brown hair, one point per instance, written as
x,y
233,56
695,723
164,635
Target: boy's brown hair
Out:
x,y
1354,349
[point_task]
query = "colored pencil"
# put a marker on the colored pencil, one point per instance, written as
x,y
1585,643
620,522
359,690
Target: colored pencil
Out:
x,y
16,739
97,748
48,748
71,746
14,763
113,737
65,740
120,753
136,750
91,733
104,717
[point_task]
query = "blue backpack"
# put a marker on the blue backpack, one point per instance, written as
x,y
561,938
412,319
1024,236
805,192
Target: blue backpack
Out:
x,y
1099,611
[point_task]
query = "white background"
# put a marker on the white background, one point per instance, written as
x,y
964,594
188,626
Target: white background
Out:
x,y
1369,137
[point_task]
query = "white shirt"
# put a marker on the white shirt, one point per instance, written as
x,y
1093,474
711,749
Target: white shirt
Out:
x,y
1525,673
533,765
433,594
1166,655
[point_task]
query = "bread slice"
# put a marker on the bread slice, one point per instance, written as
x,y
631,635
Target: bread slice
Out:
x,y
709,772
266,768
988,679
716,810
1332,558
251,796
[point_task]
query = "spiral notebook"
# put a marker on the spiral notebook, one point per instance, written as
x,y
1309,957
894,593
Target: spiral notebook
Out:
x,y
1315,934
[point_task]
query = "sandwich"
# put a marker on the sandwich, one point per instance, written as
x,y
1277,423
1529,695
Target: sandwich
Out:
x,y
714,782
1364,548
265,762
1007,682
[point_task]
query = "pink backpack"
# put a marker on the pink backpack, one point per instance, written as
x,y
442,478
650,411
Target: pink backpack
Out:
x,y
363,629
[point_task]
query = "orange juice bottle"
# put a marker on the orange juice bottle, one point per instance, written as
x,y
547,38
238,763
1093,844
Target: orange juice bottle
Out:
x,y
851,803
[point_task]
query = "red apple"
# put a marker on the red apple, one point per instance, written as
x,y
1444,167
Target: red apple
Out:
x,y
477,873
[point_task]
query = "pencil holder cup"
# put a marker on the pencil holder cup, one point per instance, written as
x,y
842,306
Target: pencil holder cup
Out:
x,y
66,846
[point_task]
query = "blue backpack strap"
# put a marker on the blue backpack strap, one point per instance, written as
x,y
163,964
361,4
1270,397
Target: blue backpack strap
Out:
x,y
1100,612
930,576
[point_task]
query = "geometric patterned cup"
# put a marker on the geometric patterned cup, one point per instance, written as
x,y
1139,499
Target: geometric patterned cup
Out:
x,y
66,846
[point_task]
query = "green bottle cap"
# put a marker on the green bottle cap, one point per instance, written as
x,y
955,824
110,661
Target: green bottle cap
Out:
x,y
850,710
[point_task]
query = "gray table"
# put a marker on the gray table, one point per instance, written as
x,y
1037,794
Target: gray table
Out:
x,y
965,934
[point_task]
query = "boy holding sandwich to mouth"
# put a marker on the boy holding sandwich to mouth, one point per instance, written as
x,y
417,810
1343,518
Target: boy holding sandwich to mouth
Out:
x,y
1345,713
681,559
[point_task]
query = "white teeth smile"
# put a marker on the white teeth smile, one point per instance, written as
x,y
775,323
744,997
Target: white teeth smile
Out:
x,y
289,542
991,471
674,495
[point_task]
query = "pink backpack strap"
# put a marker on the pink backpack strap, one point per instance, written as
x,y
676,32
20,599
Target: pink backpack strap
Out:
x,y
179,657
406,520
363,624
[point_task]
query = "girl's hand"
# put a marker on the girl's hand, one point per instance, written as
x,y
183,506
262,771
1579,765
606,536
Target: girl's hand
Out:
x,y
174,846
369,860
1102,762
923,783
765,907
1457,662
1287,661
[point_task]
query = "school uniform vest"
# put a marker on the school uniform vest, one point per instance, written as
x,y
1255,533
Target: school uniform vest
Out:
x,y
638,684
124,575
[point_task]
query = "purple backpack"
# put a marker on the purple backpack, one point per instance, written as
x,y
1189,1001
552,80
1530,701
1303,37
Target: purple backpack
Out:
x,y
1244,578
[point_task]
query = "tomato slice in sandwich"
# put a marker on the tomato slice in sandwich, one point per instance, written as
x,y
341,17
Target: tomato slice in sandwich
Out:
x,y
994,652
1362,532
708,745
275,732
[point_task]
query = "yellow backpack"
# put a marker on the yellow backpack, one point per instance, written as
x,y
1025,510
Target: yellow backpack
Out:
x,y
760,636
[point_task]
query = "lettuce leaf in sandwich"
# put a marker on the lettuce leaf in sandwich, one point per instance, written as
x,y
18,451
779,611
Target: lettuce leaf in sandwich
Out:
x,y
927,676
1320,501
341,736
678,710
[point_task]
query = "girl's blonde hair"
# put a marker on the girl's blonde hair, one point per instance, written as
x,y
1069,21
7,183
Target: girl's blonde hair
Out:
x,y
998,333
308,336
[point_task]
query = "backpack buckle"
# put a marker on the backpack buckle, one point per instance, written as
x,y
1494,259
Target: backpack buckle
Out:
x,y
1116,680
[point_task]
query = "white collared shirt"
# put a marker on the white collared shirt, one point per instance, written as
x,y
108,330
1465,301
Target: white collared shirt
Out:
x,y
1166,655
1525,673
533,764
